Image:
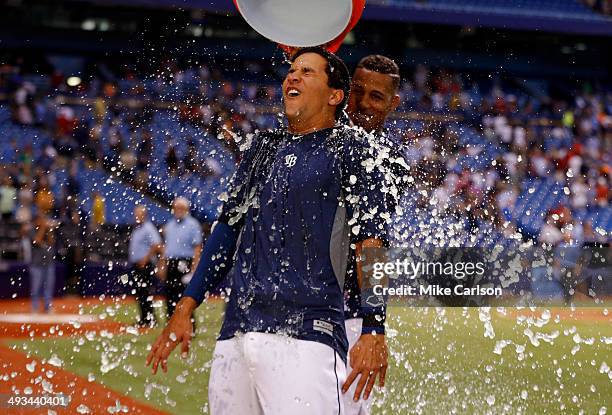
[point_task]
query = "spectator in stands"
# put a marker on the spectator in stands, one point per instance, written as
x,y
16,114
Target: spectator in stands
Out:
x,y
98,209
70,242
93,148
183,245
66,121
127,164
551,233
145,244
25,159
8,197
25,198
579,194
43,197
211,168
23,104
603,193
42,265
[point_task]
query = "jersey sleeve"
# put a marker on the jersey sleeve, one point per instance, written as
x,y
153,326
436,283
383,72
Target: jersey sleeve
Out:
x,y
215,262
366,190
369,190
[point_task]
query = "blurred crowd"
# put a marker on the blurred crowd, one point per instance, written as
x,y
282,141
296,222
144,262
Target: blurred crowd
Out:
x,y
534,137
568,141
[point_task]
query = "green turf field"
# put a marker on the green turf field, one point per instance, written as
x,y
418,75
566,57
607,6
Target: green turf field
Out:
x,y
441,362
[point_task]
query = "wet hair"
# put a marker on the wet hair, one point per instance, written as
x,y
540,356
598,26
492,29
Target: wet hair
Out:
x,y
338,76
383,65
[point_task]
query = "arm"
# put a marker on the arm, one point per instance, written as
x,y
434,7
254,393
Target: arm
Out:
x,y
368,196
369,356
153,251
214,263
155,248
197,251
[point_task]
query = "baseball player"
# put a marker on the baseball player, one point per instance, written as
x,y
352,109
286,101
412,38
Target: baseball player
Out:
x,y
298,197
374,95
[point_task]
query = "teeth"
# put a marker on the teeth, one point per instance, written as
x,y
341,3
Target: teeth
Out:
x,y
293,92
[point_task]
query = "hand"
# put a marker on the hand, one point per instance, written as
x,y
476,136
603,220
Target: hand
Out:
x,y
368,358
178,330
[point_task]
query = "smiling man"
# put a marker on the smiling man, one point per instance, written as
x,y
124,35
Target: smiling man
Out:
x,y
374,95
374,92
298,198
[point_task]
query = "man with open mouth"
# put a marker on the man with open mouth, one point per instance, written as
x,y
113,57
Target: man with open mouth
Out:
x,y
300,197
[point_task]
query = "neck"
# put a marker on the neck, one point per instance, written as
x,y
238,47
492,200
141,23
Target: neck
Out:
x,y
301,127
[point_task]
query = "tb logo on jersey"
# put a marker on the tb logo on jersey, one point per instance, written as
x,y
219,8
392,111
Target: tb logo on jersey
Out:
x,y
290,160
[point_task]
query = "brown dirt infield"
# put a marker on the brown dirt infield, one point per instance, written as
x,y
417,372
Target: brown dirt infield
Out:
x,y
17,372
46,378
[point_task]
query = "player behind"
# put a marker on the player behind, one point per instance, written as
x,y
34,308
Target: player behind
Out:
x,y
297,196
374,95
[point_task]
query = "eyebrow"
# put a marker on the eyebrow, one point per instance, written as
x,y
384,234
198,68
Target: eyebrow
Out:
x,y
303,68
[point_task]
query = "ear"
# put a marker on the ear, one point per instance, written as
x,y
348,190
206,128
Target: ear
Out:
x,y
395,102
336,97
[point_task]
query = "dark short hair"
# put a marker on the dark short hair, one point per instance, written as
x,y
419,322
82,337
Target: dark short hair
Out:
x,y
338,76
383,65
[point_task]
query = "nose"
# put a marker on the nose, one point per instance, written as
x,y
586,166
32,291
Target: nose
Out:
x,y
292,77
364,103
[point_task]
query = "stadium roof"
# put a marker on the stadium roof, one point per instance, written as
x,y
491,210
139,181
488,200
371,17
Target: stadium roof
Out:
x,y
568,16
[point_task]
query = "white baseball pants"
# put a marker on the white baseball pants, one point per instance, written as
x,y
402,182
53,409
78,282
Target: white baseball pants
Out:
x,y
272,374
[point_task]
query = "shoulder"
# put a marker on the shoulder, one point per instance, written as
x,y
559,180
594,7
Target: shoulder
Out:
x,y
359,146
342,138
261,137
193,222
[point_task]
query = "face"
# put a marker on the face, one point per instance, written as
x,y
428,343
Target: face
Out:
x,y
139,214
306,94
180,210
371,100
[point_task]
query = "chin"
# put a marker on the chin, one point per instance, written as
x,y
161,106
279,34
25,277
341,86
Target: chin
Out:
x,y
292,114
362,122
